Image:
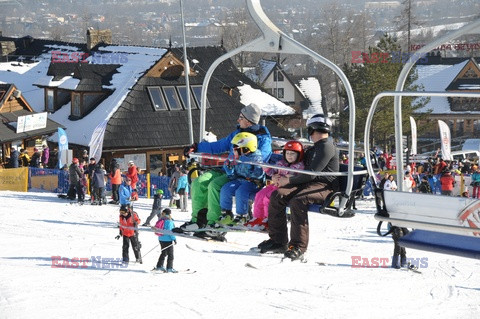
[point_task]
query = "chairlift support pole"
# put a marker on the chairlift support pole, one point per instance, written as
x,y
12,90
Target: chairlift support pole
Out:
x,y
273,40
187,77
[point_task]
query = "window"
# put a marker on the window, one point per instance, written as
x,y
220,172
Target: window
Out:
x,y
50,106
277,76
76,105
182,91
157,99
172,98
279,93
197,92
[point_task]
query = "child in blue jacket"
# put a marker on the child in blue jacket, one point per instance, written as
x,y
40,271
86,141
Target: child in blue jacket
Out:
x,y
183,190
245,179
166,241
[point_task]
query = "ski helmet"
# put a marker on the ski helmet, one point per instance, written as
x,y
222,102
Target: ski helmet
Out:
x,y
320,123
160,191
245,141
296,147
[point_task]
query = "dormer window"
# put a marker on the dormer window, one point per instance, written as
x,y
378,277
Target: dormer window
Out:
x,y
170,98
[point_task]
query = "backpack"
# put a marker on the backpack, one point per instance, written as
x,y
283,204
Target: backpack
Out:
x,y
160,225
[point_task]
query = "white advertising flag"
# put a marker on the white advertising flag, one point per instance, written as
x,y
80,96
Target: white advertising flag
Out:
x,y
413,125
445,140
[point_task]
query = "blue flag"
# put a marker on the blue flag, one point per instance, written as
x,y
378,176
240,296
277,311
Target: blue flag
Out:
x,y
62,145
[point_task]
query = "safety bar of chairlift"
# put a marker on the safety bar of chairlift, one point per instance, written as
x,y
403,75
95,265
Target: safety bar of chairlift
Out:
x,y
288,169
400,94
425,225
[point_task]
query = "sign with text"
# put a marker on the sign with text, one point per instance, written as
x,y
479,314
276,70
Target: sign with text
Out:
x,y
31,122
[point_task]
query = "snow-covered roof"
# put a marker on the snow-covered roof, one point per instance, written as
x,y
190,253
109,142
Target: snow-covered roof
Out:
x,y
437,78
260,73
26,77
268,104
310,88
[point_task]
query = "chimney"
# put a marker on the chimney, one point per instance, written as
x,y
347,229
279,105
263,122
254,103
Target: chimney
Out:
x,y
96,37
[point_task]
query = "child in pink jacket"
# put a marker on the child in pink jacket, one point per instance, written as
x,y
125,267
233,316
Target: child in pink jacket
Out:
x,y
292,158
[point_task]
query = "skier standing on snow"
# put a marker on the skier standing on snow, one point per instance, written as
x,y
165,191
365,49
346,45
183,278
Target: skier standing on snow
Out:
x,y
300,191
75,175
183,190
156,207
166,241
116,180
128,223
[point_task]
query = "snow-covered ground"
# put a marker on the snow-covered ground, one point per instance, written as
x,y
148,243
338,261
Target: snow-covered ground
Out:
x,y
36,226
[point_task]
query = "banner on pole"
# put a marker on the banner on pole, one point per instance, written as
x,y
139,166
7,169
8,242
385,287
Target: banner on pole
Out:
x,y
62,145
413,125
445,140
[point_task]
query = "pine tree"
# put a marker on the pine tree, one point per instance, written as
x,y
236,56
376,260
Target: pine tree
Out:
x,y
379,72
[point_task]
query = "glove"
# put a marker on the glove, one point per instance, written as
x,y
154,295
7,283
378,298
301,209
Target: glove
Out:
x,y
117,237
175,241
190,149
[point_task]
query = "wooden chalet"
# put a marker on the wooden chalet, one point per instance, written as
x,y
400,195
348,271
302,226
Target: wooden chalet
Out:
x,y
12,106
451,75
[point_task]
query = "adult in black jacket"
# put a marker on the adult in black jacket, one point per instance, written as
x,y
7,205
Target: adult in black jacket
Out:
x,y
98,184
300,191
13,158
75,175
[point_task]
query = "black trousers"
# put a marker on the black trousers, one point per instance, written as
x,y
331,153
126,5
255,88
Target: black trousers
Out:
x,y
115,188
166,252
298,197
76,189
126,245
399,251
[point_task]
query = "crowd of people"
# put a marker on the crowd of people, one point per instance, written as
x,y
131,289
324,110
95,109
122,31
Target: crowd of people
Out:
x,y
435,176
39,158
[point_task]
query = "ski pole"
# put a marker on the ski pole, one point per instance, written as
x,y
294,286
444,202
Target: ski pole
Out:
x,y
160,249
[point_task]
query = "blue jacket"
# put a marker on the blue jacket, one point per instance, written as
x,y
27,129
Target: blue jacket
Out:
x,y
183,183
125,192
239,170
225,144
168,225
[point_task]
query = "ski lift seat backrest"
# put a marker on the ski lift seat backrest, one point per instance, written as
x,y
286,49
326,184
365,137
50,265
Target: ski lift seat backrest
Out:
x,y
358,185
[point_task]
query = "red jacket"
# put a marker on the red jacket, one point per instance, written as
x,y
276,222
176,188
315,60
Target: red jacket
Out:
x,y
447,182
133,174
126,224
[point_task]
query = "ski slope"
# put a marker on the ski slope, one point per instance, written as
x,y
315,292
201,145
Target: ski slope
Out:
x,y
36,226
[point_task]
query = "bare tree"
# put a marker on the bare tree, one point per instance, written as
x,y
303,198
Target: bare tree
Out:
x,y
407,20
238,30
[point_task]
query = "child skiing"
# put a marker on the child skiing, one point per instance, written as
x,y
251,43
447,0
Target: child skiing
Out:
x,y
292,158
166,241
156,207
128,223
